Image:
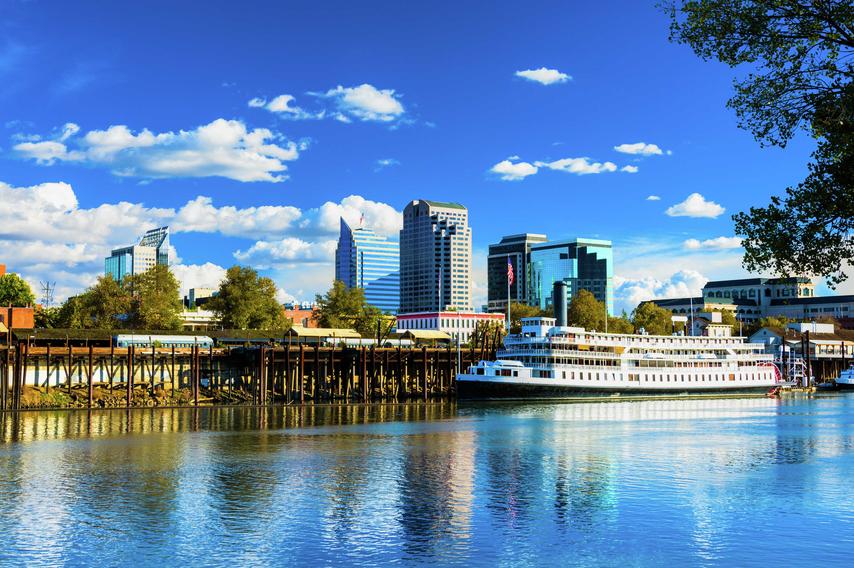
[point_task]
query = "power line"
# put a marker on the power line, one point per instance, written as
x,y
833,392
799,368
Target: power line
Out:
x,y
48,289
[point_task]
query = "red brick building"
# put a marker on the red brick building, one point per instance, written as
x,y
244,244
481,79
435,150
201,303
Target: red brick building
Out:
x,y
301,316
17,318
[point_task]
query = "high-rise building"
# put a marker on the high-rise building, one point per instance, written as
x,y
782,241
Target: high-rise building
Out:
x,y
369,261
152,249
516,249
584,264
435,257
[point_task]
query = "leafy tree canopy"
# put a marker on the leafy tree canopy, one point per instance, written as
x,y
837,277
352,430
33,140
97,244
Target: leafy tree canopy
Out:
x,y
802,58
343,307
14,291
46,318
654,319
248,301
519,311
586,311
155,299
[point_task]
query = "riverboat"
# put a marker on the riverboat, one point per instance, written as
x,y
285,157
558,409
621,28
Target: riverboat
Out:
x,y
547,360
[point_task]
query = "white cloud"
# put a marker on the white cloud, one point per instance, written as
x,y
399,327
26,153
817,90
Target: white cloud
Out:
x,y
381,217
629,169
384,163
224,148
653,198
695,205
70,242
265,254
510,171
366,103
639,149
716,243
544,76
578,166
207,275
682,284
200,215
281,106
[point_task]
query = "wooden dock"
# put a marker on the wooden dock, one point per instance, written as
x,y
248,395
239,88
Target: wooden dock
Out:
x,y
93,377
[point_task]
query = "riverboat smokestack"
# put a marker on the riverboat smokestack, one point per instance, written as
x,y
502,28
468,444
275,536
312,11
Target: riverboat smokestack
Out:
x,y
559,302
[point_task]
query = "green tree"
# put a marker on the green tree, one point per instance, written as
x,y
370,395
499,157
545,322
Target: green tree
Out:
x,y
155,299
586,311
14,291
248,301
72,314
653,319
46,318
343,307
519,311
620,324
802,77
105,305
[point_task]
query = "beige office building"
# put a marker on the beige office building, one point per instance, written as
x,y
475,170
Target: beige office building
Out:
x,y
435,257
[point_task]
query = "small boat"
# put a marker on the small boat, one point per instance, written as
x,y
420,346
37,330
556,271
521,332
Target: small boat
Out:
x,y
845,380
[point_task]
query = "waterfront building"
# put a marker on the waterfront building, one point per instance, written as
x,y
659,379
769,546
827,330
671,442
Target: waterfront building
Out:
x,y
584,264
753,298
369,261
303,314
515,249
459,325
151,250
435,257
826,341
198,320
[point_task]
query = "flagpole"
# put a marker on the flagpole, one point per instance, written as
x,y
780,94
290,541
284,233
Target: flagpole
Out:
x,y
508,295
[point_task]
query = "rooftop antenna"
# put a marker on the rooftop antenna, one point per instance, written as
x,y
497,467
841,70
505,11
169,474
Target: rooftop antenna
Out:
x,y
48,289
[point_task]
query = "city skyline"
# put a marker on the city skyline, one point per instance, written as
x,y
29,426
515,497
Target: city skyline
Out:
x,y
595,125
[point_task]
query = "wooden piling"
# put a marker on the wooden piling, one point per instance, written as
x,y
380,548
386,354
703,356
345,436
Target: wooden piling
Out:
x,y
90,378
301,377
130,377
424,371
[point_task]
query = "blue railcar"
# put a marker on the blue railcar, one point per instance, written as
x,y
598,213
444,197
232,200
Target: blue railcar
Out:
x,y
128,340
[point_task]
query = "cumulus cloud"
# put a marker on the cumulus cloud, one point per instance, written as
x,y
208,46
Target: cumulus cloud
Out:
x,y
71,242
281,106
544,76
365,102
639,149
653,198
695,205
207,275
719,243
579,166
265,254
200,215
510,171
682,284
223,148
629,169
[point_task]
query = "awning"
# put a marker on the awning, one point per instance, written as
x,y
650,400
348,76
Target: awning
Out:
x,y
323,332
425,334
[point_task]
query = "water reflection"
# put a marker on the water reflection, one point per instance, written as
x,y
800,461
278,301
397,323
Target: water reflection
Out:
x,y
690,482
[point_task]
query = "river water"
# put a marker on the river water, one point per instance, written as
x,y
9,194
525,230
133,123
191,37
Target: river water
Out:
x,y
733,482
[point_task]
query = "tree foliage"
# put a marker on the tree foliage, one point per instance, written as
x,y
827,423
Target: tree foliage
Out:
x,y
343,307
46,318
653,319
519,311
155,299
620,324
586,311
248,301
14,291
802,54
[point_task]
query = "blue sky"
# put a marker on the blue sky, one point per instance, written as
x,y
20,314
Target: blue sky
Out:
x,y
115,117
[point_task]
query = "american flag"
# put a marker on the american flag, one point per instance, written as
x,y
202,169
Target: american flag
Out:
x,y
509,272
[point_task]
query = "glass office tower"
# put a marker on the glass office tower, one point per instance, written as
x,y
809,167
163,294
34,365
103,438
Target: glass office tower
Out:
x,y
152,249
584,264
369,261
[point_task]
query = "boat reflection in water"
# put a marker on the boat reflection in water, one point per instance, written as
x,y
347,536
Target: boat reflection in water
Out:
x,y
648,482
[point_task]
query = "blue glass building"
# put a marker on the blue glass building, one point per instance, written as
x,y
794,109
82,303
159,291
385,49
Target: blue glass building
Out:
x,y
584,264
369,261
152,249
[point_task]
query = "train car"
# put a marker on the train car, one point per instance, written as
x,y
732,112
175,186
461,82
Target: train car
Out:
x,y
365,342
179,341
